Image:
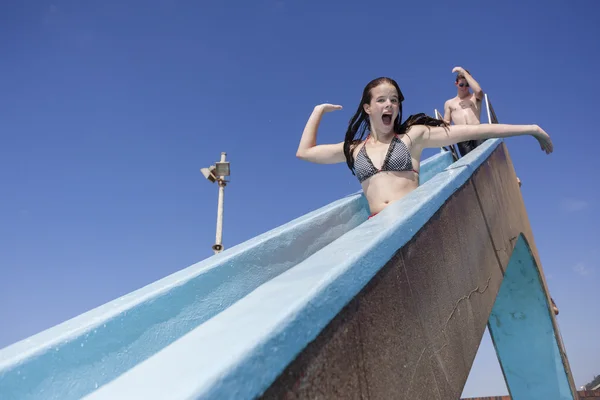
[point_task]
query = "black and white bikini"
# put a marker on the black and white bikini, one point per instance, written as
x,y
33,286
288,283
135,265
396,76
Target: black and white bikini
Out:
x,y
398,158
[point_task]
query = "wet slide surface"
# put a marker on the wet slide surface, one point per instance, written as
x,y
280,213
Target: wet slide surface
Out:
x,y
327,304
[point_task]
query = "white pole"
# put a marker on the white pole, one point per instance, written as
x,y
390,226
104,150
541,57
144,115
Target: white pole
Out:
x,y
218,247
487,106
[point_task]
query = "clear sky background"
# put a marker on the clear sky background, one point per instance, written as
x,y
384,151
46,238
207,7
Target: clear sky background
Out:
x,y
109,109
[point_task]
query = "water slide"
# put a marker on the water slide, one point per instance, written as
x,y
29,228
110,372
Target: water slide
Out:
x,y
328,306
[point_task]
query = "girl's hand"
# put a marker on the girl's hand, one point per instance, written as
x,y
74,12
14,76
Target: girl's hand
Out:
x,y
544,139
325,108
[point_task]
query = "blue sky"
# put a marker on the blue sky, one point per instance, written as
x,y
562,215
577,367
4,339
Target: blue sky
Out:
x,y
109,109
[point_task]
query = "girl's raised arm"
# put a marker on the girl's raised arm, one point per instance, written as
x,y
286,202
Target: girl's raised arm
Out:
x,y
324,153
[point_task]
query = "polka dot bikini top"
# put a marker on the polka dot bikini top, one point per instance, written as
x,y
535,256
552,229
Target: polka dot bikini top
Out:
x,y
397,159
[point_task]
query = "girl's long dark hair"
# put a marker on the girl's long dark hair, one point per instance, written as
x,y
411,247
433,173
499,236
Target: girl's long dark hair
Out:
x,y
359,123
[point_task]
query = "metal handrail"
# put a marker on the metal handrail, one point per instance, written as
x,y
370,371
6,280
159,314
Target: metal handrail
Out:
x,y
492,119
451,148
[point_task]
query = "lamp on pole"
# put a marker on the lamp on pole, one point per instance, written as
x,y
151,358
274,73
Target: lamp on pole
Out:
x,y
217,173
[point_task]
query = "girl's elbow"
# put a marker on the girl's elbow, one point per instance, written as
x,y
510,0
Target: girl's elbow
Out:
x,y
301,155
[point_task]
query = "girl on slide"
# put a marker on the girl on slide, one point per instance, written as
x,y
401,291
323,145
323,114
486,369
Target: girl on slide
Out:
x,y
387,161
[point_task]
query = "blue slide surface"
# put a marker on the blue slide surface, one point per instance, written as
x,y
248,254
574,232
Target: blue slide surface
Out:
x,y
227,326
